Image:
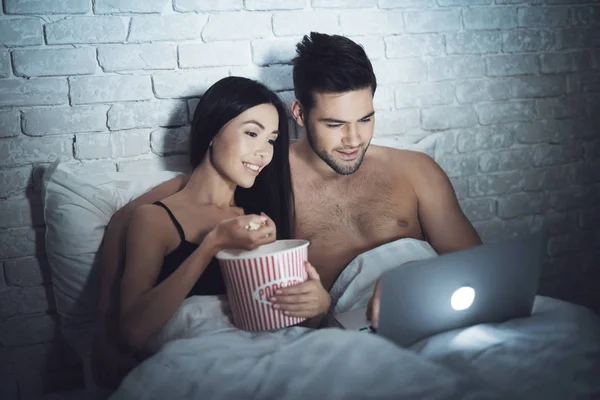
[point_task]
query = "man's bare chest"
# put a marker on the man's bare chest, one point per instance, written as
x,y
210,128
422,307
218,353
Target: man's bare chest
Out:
x,y
356,216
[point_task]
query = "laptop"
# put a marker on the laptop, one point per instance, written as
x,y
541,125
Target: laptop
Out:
x,y
485,284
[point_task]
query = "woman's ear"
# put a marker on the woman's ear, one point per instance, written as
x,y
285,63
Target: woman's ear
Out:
x,y
298,112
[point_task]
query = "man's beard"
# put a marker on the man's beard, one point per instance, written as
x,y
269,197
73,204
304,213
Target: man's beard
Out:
x,y
340,168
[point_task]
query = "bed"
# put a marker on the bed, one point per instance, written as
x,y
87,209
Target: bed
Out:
x,y
554,354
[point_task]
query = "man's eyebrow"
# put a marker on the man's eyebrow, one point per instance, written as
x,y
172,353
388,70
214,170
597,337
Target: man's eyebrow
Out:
x,y
368,115
339,121
334,121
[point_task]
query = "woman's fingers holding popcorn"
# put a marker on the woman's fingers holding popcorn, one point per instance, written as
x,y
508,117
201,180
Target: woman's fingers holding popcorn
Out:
x,y
252,222
264,235
240,232
261,230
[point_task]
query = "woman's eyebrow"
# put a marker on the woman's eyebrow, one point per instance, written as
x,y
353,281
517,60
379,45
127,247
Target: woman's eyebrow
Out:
x,y
255,122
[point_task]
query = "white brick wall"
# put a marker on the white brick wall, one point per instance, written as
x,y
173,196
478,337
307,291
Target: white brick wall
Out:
x,y
215,54
185,83
146,114
21,32
146,28
46,7
207,5
131,57
4,64
473,42
238,26
418,45
255,5
29,63
511,87
293,23
57,120
360,22
511,65
274,51
105,89
86,30
33,92
129,6
10,123
432,21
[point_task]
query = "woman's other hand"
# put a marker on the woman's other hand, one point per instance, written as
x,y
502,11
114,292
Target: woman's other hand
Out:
x,y
304,300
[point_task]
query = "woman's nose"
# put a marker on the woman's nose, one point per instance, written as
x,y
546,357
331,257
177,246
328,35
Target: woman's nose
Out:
x,y
262,151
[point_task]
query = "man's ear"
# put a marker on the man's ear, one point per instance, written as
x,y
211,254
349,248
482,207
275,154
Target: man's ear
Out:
x,y
298,113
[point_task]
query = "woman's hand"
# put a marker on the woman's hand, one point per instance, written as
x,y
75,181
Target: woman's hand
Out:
x,y
308,299
240,232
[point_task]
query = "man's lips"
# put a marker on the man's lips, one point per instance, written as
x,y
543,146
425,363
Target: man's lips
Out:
x,y
348,154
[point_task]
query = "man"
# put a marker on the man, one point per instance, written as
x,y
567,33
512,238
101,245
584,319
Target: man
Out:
x,y
350,196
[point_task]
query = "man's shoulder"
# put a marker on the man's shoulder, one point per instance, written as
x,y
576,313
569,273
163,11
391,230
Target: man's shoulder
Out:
x,y
405,165
407,159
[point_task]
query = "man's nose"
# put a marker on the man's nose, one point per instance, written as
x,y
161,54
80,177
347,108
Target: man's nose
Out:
x,y
351,136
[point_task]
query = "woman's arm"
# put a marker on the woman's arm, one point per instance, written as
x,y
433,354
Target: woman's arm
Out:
x,y
109,362
145,308
112,253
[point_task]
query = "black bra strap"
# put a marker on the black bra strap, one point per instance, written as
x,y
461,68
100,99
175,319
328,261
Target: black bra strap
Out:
x,y
175,222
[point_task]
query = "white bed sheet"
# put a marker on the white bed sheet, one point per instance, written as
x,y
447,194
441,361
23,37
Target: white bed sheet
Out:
x,y
554,354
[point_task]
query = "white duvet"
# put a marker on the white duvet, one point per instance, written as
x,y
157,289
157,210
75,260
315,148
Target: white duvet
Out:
x,y
554,354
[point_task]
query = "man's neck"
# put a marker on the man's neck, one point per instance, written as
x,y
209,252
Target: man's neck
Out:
x,y
312,163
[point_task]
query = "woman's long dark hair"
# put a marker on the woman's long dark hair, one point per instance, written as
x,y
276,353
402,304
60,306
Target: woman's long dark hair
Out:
x,y
272,191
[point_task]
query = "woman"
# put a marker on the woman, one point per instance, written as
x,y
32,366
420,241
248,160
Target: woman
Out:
x,y
239,154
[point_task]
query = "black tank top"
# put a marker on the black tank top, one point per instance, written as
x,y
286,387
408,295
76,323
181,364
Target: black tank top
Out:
x,y
210,282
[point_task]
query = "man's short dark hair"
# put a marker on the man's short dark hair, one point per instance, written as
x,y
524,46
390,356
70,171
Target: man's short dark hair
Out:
x,y
330,64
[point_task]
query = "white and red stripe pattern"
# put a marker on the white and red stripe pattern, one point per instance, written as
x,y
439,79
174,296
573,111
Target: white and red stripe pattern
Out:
x,y
252,277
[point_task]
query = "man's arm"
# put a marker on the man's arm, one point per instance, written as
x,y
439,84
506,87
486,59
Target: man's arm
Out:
x,y
444,224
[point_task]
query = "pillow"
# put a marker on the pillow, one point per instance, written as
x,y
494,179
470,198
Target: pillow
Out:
x,y
77,208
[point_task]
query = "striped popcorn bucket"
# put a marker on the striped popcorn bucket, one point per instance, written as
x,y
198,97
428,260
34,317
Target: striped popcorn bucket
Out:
x,y
252,277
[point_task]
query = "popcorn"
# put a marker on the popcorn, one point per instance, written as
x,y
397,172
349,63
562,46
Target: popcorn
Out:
x,y
253,226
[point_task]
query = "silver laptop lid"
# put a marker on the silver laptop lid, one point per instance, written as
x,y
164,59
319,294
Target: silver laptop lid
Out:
x,y
425,297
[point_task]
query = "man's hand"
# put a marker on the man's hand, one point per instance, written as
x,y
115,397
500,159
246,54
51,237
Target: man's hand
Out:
x,y
308,299
373,306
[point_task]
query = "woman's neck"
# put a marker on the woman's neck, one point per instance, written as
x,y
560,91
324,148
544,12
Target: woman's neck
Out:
x,y
208,186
